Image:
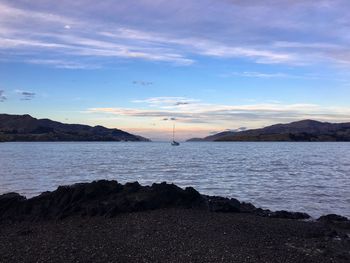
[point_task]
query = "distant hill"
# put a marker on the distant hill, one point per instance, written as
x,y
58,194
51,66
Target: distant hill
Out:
x,y
306,130
27,128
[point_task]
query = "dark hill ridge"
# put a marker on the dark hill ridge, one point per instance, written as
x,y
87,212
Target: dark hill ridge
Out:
x,y
27,128
306,130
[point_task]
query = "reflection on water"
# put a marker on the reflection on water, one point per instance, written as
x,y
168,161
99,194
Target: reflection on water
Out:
x,y
310,177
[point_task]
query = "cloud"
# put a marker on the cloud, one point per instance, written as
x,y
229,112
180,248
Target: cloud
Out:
x,y
166,102
46,39
142,83
280,75
2,96
169,119
218,115
180,32
63,64
252,74
238,129
181,103
26,95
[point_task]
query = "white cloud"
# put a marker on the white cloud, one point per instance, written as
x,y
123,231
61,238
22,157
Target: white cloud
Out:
x,y
167,102
64,64
253,74
221,116
261,37
205,46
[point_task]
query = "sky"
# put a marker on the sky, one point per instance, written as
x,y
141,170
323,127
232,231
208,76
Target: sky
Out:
x,y
206,66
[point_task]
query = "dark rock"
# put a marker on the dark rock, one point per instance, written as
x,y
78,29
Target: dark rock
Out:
x,y
221,204
109,198
337,221
103,197
132,187
10,201
247,207
10,198
262,212
332,218
289,215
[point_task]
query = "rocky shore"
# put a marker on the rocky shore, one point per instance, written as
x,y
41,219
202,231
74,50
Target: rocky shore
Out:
x,y
105,221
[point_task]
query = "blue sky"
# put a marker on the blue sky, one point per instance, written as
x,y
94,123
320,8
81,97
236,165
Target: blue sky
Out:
x,y
207,66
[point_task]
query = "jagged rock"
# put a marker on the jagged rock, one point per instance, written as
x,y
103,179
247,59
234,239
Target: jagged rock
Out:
x,y
340,222
109,198
221,204
332,218
10,201
10,198
289,215
247,208
97,198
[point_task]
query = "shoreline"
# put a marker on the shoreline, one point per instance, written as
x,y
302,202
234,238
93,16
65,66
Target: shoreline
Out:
x,y
105,221
89,193
205,202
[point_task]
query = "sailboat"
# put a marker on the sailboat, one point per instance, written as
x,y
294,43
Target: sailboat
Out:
x,y
174,143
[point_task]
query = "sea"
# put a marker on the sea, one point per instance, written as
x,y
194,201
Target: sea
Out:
x,y
312,177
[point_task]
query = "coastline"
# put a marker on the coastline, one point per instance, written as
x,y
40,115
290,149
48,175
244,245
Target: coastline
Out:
x,y
160,223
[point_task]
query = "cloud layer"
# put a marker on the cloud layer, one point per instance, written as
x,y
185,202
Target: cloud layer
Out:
x,y
86,34
220,117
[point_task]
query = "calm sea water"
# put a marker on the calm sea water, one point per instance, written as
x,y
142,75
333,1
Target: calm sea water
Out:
x,y
309,177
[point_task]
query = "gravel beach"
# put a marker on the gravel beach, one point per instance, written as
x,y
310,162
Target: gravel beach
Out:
x,y
172,235
108,222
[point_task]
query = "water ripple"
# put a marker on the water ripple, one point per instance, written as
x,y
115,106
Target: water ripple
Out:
x,y
309,177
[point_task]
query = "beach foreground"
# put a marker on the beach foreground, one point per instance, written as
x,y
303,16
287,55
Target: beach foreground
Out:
x,y
109,222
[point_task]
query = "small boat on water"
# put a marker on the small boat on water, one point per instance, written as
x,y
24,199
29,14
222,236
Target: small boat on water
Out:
x,y
174,143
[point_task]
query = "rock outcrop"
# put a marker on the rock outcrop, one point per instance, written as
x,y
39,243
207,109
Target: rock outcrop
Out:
x,y
109,198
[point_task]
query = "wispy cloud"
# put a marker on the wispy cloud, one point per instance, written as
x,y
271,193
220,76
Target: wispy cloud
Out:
x,y
63,64
225,29
204,46
142,82
167,102
238,129
26,95
82,42
253,74
221,116
2,96
169,119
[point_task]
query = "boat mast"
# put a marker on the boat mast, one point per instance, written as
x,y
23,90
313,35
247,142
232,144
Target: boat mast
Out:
x,y
174,132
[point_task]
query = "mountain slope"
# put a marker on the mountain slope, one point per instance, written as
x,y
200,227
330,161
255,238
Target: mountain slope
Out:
x,y
27,128
306,130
